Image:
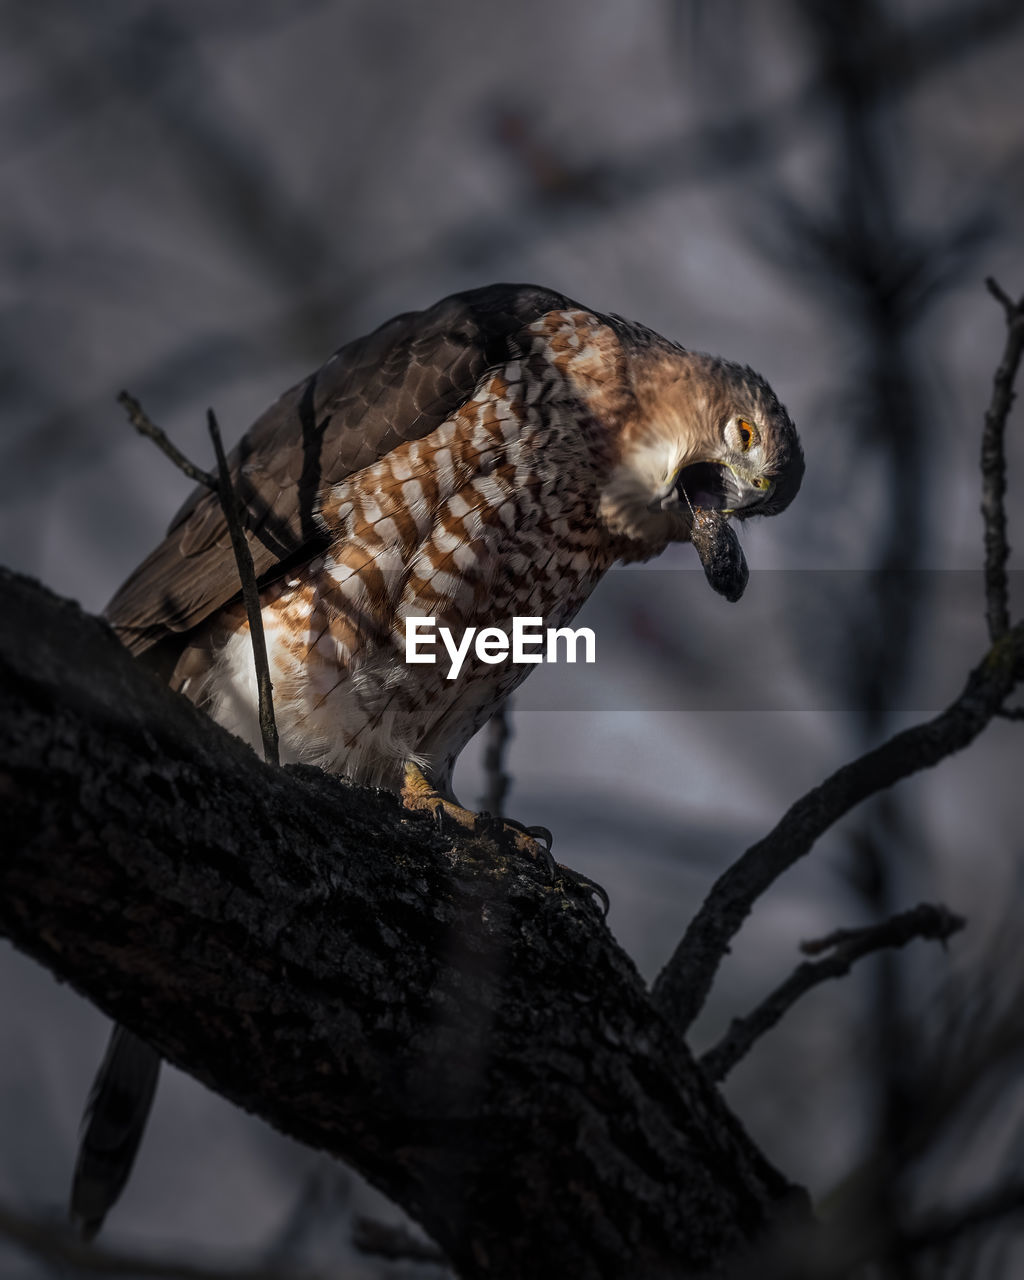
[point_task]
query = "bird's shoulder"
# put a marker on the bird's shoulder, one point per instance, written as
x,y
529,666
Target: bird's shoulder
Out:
x,y
398,383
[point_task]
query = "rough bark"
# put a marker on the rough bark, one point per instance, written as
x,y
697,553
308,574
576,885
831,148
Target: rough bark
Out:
x,y
464,1033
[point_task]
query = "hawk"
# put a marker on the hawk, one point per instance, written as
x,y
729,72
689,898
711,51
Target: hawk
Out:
x,y
489,457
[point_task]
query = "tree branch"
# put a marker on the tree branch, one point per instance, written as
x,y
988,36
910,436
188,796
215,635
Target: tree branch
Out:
x,y
847,947
499,734
233,511
233,514
683,985
145,426
464,1033
993,465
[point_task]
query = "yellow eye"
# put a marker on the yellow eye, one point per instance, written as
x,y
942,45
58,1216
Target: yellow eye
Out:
x,y
746,434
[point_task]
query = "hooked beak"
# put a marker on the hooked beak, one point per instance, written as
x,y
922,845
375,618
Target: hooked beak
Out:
x,y
716,486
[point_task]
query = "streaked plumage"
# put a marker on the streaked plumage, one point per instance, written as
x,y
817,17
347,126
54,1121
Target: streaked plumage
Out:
x,y
489,457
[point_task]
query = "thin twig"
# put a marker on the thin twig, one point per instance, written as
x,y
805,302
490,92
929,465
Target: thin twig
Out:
x,y
499,734
1002,297
993,465
250,594
222,486
847,947
923,921
142,423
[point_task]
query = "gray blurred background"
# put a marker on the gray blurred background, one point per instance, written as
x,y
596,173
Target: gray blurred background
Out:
x,y
202,200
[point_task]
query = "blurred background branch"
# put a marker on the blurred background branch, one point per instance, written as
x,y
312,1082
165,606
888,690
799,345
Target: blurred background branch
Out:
x,y
846,947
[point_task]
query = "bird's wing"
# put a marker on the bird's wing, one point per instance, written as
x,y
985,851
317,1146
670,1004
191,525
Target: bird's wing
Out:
x,y
398,383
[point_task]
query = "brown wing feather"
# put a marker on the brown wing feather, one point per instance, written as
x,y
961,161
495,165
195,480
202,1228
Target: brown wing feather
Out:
x,y
398,383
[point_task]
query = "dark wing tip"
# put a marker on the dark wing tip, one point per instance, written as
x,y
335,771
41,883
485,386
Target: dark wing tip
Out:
x,y
112,1127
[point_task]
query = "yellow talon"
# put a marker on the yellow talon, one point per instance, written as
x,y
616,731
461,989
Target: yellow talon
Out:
x,y
420,795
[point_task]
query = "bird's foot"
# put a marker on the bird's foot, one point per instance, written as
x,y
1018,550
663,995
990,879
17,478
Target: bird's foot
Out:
x,y
419,795
543,837
536,841
584,882
533,842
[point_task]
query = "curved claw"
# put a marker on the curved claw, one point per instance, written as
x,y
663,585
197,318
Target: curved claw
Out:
x,y
542,835
419,794
585,882
552,866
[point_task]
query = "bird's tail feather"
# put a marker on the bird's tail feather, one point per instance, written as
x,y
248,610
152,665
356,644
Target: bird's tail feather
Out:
x,y
112,1127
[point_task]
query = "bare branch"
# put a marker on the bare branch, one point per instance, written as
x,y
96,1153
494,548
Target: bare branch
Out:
x,y
934,922
499,734
144,425
993,465
683,984
847,946
232,508
1002,297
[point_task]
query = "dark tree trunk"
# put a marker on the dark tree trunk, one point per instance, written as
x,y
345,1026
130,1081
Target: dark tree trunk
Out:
x,y
465,1034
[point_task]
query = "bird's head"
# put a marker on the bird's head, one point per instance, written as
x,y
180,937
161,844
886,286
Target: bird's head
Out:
x,y
705,435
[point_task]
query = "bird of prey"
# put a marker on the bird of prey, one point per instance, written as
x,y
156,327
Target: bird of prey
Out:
x,y
489,457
